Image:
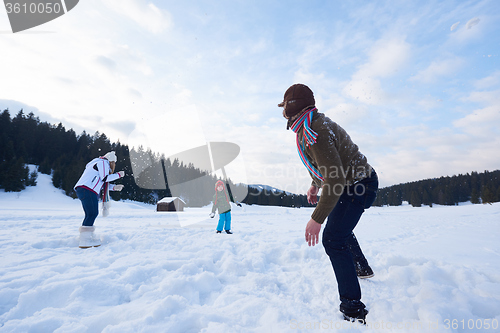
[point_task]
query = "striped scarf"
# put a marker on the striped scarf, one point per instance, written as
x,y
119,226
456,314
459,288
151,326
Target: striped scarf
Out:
x,y
304,121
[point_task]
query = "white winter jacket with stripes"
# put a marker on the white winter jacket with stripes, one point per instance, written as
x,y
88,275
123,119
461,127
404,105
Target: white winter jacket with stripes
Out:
x,y
96,174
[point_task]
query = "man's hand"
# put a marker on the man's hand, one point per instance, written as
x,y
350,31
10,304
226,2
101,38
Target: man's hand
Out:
x,y
312,232
312,195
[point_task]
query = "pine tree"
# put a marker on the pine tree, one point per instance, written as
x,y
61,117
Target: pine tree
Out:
x,y
31,181
45,167
426,198
5,128
474,198
394,198
15,175
416,200
487,196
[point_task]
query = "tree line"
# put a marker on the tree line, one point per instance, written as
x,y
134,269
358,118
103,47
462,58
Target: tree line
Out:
x,y
474,187
63,154
24,139
265,196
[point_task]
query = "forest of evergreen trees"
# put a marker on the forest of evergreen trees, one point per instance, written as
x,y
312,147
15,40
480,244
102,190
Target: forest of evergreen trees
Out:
x,y
475,187
264,195
24,139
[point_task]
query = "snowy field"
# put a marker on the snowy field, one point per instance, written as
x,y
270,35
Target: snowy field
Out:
x,y
436,270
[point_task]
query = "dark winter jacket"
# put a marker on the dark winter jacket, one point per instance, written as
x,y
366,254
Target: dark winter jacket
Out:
x,y
337,158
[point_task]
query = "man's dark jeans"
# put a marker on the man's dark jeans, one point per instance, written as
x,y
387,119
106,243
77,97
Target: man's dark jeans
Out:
x,y
90,203
340,224
358,257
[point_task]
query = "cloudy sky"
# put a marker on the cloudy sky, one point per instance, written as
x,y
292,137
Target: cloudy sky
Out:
x,y
415,83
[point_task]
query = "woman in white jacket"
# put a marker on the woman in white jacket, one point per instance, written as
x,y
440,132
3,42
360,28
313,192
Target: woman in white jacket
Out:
x,y
98,172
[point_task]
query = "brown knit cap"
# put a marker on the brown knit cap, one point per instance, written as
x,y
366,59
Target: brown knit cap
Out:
x,y
296,98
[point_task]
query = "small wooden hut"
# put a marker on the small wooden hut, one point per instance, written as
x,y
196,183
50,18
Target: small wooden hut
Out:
x,y
170,204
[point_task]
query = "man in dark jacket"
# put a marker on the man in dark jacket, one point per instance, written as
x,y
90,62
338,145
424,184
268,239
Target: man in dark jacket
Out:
x,y
348,186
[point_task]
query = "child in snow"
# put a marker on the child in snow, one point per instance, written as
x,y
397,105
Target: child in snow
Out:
x,y
97,173
349,186
221,203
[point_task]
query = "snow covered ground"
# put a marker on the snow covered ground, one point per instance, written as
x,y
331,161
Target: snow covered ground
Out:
x,y
437,270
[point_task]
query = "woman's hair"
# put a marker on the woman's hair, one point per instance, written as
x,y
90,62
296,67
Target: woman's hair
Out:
x,y
112,166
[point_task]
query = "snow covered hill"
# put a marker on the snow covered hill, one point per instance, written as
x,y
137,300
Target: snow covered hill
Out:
x,y
436,270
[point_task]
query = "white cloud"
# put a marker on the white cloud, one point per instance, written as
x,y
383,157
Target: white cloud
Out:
x,y
454,26
439,69
170,132
485,97
365,90
429,102
145,14
484,123
385,59
348,114
106,62
470,32
420,152
109,66
489,81
472,22
84,74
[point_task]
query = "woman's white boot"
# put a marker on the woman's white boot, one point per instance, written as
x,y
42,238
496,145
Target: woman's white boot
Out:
x,y
88,238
